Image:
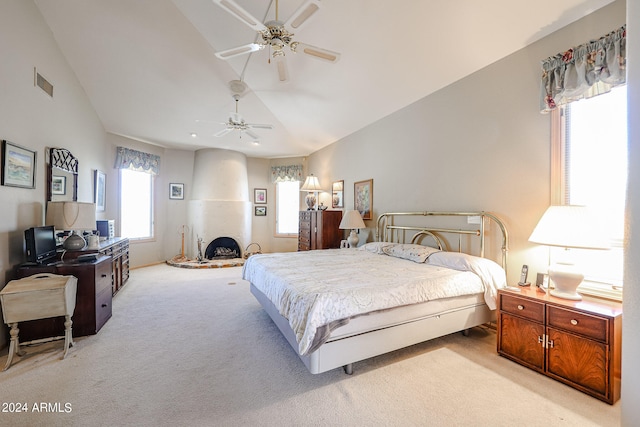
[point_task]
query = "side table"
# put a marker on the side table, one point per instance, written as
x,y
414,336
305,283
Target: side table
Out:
x,y
38,297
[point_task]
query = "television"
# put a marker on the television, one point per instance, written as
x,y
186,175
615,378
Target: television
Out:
x,y
40,244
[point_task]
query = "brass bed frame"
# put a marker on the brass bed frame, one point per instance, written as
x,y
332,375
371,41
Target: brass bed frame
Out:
x,y
347,350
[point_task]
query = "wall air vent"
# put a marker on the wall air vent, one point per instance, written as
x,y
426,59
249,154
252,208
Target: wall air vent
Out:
x,y
42,83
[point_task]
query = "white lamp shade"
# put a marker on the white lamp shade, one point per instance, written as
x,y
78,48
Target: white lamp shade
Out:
x,y
311,184
352,220
571,226
71,215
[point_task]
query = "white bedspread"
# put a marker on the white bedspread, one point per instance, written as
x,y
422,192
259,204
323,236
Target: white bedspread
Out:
x,y
314,288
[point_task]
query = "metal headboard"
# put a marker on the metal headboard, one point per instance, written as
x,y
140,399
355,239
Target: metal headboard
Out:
x,y
388,231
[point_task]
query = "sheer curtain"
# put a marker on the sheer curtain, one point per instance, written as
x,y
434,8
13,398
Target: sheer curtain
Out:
x,y
584,71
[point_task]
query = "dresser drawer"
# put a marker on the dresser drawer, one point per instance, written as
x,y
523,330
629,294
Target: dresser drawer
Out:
x,y
578,323
103,277
103,309
305,216
522,307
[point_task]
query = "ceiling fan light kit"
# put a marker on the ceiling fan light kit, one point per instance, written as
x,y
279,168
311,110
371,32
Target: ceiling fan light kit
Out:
x,y
276,35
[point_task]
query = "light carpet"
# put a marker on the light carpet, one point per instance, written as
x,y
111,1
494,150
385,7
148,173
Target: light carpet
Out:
x,y
193,348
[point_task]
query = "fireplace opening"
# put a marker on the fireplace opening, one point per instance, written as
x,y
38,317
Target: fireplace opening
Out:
x,y
223,248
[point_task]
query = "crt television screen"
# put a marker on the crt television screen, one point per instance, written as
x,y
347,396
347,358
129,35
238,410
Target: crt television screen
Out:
x,y
41,243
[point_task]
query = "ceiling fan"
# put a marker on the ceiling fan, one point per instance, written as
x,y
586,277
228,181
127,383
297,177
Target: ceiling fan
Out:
x,y
236,121
276,35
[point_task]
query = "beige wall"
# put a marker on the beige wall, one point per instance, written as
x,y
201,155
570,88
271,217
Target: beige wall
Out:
x,y
478,144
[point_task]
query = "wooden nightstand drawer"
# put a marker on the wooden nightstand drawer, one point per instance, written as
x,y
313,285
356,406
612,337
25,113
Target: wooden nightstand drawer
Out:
x,y
522,307
578,323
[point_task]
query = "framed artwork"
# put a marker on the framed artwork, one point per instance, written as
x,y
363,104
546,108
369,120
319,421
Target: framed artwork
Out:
x,y
363,198
260,211
99,190
18,166
337,193
58,184
260,195
176,191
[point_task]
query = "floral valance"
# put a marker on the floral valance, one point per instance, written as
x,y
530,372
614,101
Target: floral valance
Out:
x,y
127,158
584,71
286,173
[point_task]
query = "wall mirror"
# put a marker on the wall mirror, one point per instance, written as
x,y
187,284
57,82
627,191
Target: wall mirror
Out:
x,y
337,193
62,176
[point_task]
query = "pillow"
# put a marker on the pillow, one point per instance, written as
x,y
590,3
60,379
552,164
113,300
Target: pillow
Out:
x,y
375,247
410,251
491,273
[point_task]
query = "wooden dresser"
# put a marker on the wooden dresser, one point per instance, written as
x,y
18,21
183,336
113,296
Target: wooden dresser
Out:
x,y
93,299
576,342
319,230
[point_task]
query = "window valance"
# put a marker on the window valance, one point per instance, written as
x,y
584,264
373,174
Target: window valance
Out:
x,y
127,158
584,71
286,173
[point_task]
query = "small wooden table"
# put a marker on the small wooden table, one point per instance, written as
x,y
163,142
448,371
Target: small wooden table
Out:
x,y
38,297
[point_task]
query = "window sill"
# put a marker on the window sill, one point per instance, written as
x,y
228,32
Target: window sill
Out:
x,y
601,290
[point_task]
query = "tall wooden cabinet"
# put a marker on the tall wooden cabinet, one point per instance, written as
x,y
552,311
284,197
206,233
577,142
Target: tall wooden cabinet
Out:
x,y
319,230
576,342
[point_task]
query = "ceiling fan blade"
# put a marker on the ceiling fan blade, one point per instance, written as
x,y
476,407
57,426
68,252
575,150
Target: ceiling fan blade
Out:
x,y
239,13
283,70
316,52
259,126
252,135
302,14
240,50
223,132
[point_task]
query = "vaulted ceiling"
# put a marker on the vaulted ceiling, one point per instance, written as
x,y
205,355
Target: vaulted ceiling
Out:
x,y
149,69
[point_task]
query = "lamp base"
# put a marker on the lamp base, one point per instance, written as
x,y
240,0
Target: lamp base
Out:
x,y
566,279
353,239
310,200
74,242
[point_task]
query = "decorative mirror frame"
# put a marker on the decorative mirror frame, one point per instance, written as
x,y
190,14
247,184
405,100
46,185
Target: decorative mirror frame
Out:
x,y
61,158
337,194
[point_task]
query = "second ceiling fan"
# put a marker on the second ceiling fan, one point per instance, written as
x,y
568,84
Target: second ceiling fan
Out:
x,y
276,35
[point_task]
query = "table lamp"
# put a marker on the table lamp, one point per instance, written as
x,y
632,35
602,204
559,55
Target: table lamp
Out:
x,y
312,185
72,216
352,220
569,226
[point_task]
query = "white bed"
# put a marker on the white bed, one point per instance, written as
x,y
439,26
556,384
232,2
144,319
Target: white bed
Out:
x,y
339,306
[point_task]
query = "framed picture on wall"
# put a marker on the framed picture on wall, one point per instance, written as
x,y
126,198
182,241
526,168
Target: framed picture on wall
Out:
x,y
260,195
363,198
176,191
260,211
99,190
58,184
18,166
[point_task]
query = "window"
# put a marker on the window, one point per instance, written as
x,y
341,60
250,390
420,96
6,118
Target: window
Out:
x,y
591,139
136,204
287,208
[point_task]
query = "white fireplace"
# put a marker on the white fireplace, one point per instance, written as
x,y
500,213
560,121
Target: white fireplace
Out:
x,y
220,205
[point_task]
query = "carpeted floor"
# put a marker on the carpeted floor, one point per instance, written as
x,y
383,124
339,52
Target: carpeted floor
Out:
x,y
193,348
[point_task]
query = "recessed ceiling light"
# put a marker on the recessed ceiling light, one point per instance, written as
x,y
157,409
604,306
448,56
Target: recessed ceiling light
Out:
x,y
193,135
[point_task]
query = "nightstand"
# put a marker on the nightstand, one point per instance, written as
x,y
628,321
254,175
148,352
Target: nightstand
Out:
x,y
575,342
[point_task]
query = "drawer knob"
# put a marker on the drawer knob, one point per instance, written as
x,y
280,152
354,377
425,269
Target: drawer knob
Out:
x,y
574,322
520,307
104,305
